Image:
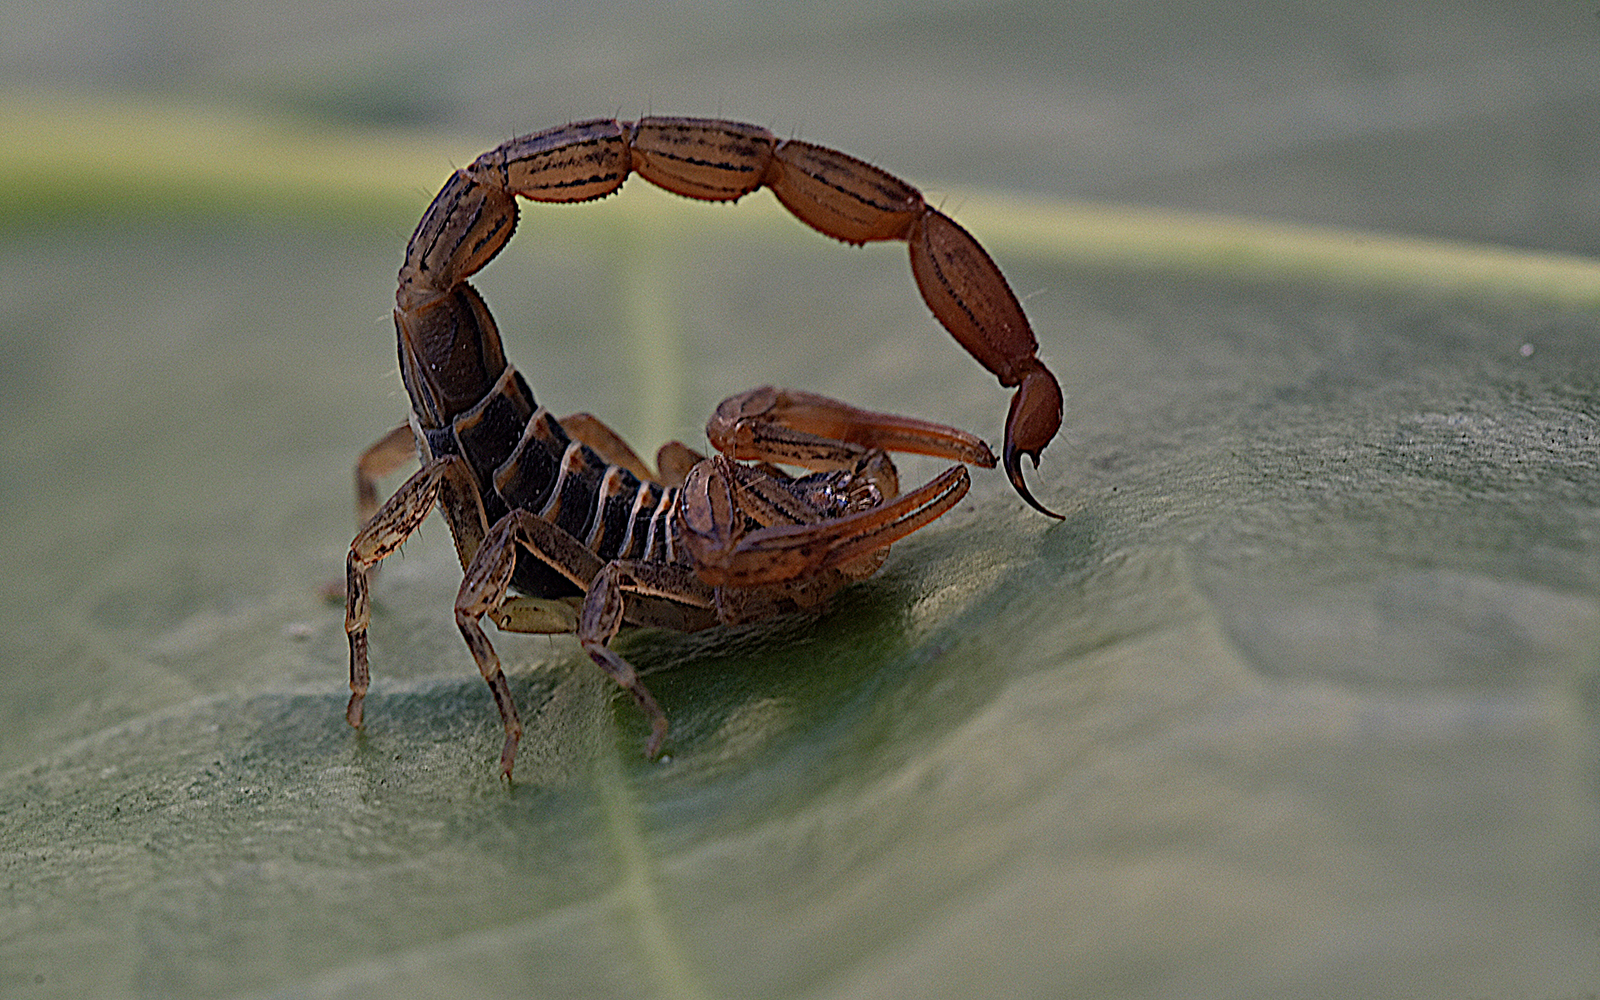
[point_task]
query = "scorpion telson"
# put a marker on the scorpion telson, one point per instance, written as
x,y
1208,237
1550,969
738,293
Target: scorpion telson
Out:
x,y
559,525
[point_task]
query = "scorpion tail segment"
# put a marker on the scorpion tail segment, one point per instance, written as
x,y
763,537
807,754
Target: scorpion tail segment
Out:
x,y
971,298
1033,421
569,163
702,158
465,226
450,354
841,196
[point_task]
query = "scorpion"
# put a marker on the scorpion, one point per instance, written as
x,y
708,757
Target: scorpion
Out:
x,y
559,526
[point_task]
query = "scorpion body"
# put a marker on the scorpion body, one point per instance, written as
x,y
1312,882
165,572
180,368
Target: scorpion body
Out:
x,y
702,541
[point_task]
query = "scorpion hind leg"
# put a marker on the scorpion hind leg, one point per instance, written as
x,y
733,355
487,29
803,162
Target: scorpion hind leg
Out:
x,y
670,597
606,443
674,458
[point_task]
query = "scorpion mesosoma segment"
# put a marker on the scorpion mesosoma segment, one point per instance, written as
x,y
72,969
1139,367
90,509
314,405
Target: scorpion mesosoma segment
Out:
x,y
564,514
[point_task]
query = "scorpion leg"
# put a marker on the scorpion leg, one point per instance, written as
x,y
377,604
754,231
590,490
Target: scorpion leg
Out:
x,y
681,602
484,592
383,533
675,459
607,443
383,458
483,589
604,610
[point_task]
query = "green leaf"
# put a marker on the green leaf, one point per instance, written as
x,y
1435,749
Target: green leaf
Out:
x,y
1300,697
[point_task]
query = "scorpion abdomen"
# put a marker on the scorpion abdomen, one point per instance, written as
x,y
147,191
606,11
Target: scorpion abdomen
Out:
x,y
522,458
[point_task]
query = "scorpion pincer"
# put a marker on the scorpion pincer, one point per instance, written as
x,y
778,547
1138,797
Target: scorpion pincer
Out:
x,y
559,525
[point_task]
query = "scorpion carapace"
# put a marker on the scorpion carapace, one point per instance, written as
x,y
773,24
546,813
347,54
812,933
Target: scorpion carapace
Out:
x,y
565,513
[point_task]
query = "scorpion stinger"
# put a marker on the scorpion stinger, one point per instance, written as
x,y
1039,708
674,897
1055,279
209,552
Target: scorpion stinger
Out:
x,y
559,526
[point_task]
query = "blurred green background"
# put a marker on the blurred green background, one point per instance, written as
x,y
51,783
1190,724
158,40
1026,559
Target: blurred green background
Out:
x,y
1301,699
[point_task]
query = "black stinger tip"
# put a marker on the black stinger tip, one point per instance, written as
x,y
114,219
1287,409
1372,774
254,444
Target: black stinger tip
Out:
x,y
1013,464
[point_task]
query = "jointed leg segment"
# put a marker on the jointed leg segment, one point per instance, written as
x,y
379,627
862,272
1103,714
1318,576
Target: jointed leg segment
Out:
x,y
383,458
484,592
379,538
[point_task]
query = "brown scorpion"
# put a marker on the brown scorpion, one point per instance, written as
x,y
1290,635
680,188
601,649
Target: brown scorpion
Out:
x,y
566,515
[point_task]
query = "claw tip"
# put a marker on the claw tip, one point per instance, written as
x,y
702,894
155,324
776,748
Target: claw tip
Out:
x,y
508,760
658,736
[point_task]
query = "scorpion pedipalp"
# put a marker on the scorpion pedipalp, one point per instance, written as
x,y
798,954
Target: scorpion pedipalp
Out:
x,y
805,429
